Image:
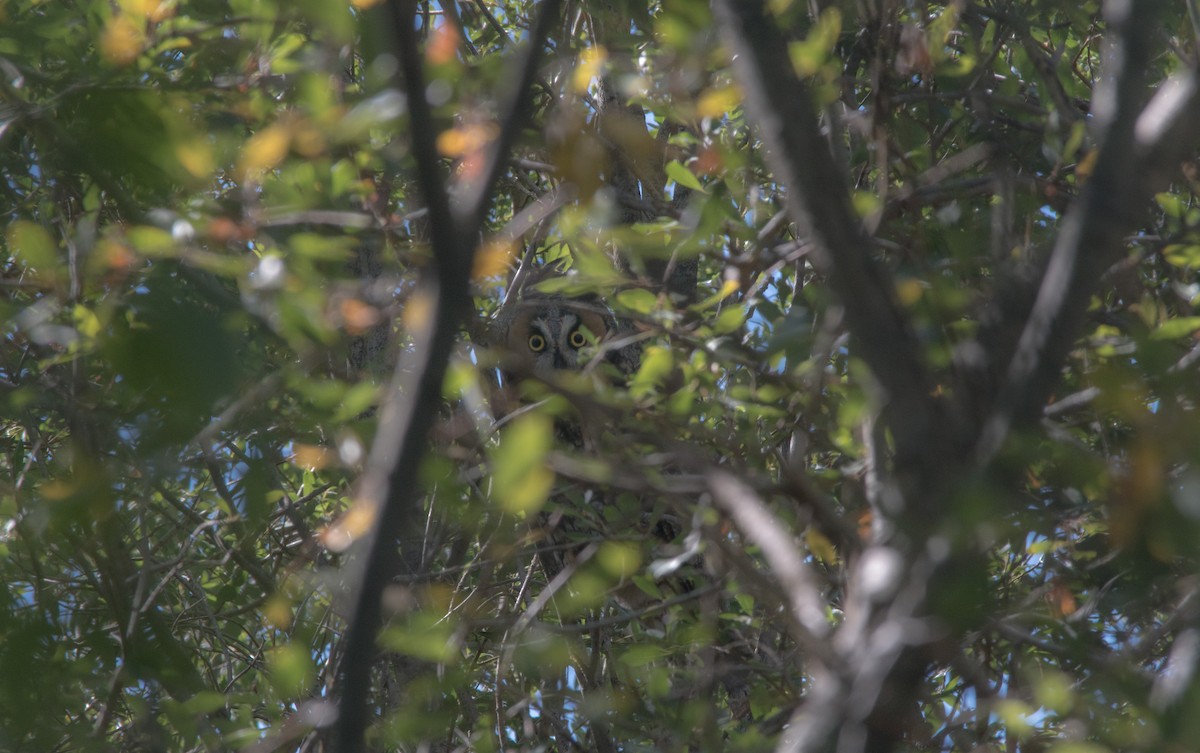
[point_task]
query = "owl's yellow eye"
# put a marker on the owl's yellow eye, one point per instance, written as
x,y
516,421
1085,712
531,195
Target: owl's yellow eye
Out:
x,y
537,343
577,339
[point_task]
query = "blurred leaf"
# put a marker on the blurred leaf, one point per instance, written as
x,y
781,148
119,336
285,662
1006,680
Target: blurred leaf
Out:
x,y
683,176
657,364
591,61
638,300
820,545
639,656
264,151
521,481
1176,328
619,559
713,103
32,245
291,669
423,635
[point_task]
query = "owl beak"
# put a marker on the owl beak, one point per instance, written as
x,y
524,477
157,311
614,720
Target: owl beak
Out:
x,y
560,362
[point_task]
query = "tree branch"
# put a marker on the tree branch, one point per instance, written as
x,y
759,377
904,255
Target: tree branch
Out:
x,y
758,525
388,487
1136,149
819,203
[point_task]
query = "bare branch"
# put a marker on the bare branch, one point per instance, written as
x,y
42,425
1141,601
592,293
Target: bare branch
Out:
x,y
1135,150
819,203
387,488
760,526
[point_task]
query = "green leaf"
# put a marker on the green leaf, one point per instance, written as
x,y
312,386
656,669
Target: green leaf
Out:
x,y
683,176
657,364
637,300
151,241
1171,204
620,559
425,635
730,319
291,669
640,656
1176,328
32,245
809,55
205,702
521,481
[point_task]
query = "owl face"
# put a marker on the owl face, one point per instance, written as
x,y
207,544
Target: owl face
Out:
x,y
549,333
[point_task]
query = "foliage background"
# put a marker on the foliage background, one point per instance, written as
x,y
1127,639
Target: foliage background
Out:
x,y
927,413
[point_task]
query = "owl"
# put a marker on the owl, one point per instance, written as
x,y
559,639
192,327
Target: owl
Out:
x,y
541,336
544,333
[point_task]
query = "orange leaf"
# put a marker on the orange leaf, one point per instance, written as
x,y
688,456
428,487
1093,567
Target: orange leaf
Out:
x,y
443,44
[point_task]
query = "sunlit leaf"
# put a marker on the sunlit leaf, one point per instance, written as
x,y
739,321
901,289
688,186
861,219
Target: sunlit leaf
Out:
x,y
820,545
683,176
638,300
716,102
591,61
122,40
265,150
521,481
1175,328
494,259
619,559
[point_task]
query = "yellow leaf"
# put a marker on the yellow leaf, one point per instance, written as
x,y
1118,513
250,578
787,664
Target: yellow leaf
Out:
x,y
139,8
162,10
264,150
312,456
196,156
34,247
493,259
86,321
278,612
527,493
1083,170
121,41
417,311
778,7
865,203
909,291
364,4
717,101
466,139
306,140
339,535
591,61
56,490
152,10
619,558
820,545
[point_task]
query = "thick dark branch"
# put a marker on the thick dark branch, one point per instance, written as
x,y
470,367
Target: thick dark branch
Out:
x,y
782,108
388,486
1134,155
